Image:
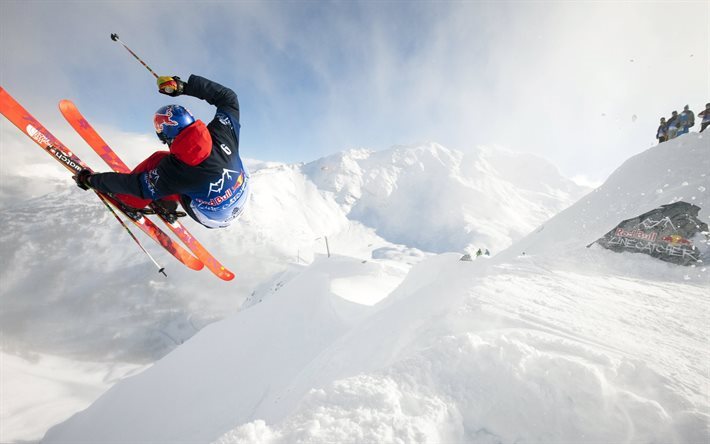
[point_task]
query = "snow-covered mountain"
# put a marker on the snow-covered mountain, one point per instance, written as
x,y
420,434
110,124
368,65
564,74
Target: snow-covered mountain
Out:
x,y
75,287
562,344
292,206
440,200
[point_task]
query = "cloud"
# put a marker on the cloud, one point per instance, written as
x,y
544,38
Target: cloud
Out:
x,y
316,78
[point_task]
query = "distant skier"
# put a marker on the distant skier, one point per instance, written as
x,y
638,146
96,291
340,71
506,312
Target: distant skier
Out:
x,y
662,132
202,169
705,114
479,252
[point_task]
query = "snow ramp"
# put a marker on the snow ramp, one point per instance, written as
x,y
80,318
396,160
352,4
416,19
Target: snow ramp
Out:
x,y
459,352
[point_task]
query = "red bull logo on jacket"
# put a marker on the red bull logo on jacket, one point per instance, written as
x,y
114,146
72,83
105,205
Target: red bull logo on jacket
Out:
x,y
227,193
221,210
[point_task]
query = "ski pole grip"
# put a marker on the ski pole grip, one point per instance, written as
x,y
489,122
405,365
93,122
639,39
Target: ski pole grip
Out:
x,y
114,37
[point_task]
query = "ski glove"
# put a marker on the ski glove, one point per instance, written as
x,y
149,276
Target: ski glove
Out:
x,y
82,179
170,85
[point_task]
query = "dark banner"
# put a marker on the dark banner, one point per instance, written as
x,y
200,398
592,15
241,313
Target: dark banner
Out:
x,y
672,233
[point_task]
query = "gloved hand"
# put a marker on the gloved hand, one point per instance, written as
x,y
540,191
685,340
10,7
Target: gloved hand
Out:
x,y
170,85
83,179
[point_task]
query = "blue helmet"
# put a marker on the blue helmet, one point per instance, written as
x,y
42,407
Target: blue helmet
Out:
x,y
170,120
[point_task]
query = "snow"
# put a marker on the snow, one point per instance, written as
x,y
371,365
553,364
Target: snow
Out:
x,y
36,390
672,171
497,357
489,355
440,200
392,338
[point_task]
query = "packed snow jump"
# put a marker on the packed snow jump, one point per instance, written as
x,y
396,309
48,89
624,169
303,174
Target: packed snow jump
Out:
x,y
202,170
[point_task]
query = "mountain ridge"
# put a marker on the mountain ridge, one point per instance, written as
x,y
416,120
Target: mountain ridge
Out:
x,y
391,189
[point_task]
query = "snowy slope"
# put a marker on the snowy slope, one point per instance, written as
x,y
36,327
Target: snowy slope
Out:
x,y
440,200
566,344
484,356
677,170
501,358
38,390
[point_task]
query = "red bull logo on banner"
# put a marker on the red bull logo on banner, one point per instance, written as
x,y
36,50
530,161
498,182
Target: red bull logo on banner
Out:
x,y
671,233
164,119
636,234
675,239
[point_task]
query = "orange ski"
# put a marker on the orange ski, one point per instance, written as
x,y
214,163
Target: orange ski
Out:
x,y
23,120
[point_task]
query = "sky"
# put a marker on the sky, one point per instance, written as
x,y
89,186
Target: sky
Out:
x,y
317,77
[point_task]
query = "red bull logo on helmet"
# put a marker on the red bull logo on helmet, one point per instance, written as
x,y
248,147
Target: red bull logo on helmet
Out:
x,y
164,119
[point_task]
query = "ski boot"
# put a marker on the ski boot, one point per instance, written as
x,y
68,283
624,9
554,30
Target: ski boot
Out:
x,y
131,212
167,209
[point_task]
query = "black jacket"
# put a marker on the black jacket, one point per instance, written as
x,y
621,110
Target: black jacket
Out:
x,y
204,166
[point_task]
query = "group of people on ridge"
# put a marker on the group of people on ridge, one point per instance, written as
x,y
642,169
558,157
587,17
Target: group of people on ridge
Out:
x,y
681,123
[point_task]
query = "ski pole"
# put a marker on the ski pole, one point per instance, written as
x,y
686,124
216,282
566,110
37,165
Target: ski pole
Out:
x,y
160,269
115,38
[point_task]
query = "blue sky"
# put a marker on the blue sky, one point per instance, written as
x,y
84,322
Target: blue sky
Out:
x,y
560,79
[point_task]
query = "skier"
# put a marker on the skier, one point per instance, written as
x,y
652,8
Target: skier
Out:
x,y
202,169
705,114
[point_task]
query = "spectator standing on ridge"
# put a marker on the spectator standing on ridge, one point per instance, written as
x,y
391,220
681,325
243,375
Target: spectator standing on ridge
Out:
x,y
673,126
662,133
705,114
479,252
685,120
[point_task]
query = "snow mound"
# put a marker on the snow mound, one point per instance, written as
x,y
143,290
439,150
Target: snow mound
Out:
x,y
513,391
460,351
498,357
39,390
268,342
